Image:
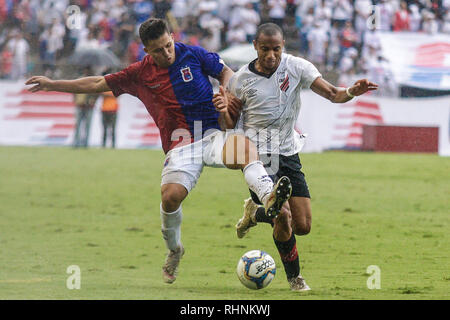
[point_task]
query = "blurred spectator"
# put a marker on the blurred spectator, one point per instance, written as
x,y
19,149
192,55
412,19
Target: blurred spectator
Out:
x,y
347,63
21,11
160,8
215,24
142,11
6,59
97,15
19,49
430,24
369,58
105,29
415,19
323,13
109,117
401,19
446,24
303,6
305,24
343,11
133,51
348,37
3,11
371,40
179,11
318,42
380,71
224,9
235,9
101,6
125,29
212,41
446,4
250,19
363,10
50,10
334,47
92,41
347,68
236,36
290,8
386,12
118,10
51,42
277,11
84,105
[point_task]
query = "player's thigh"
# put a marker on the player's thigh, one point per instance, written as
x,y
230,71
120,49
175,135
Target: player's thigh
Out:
x,y
238,151
301,214
182,169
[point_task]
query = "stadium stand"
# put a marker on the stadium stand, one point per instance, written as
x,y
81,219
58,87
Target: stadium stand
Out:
x,y
37,36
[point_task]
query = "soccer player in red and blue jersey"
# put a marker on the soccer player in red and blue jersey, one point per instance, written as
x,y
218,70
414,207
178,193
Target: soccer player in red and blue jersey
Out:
x,y
172,82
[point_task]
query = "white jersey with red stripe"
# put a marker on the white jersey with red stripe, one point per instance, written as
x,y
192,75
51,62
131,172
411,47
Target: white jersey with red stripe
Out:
x,y
271,103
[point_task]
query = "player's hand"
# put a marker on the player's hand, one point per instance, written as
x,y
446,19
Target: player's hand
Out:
x,y
362,86
234,105
220,100
41,84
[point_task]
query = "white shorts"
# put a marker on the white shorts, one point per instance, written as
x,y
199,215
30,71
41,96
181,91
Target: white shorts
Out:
x,y
183,165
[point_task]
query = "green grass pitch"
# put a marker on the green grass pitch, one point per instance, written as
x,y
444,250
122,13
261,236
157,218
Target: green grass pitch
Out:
x,y
99,210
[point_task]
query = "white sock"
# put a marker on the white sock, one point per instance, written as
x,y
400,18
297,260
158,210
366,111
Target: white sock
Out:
x,y
171,227
258,180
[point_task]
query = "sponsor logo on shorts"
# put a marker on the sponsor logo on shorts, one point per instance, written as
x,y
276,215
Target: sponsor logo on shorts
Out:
x,y
166,162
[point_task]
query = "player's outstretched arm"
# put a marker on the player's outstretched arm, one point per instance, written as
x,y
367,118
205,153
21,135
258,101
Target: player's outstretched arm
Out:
x,y
341,95
229,108
94,84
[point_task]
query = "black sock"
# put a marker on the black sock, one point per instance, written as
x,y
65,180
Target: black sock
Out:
x,y
289,256
262,217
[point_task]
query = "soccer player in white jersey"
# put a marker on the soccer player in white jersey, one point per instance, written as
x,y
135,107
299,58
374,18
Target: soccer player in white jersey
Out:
x,y
269,88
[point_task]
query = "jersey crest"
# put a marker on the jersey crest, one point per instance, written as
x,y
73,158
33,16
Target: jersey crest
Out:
x,y
186,74
285,84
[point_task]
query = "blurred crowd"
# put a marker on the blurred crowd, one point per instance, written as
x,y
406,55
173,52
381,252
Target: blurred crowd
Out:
x,y
336,35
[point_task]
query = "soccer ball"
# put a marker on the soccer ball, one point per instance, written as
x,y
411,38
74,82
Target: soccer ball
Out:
x,y
256,269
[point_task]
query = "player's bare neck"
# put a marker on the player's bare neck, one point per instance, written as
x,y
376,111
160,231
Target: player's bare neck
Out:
x,y
258,69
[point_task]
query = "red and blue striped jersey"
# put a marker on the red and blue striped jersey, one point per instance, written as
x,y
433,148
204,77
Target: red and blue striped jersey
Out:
x,y
177,96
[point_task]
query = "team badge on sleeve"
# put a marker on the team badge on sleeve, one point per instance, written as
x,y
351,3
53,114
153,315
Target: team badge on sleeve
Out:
x,y
187,74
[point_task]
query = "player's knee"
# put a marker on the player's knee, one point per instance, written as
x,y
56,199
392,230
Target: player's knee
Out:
x,y
170,200
302,228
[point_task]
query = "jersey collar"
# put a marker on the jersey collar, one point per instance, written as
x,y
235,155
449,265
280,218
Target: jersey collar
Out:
x,y
252,68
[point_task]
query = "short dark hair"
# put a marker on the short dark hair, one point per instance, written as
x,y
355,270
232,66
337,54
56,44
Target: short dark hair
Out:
x,y
152,29
268,29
